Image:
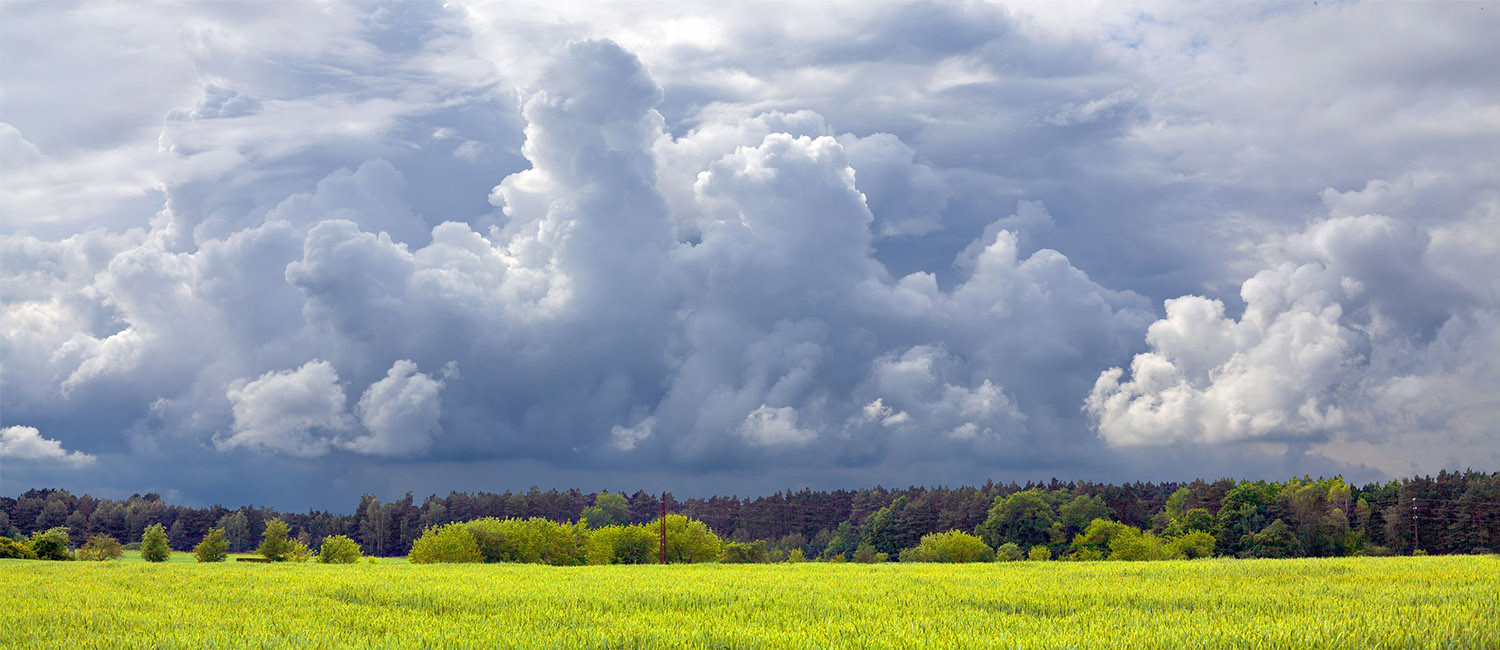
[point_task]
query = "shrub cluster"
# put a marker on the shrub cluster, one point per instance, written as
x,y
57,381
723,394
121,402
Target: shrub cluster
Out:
x,y
542,541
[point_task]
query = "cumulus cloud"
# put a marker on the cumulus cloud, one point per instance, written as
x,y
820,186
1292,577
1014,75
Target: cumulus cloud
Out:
x,y
26,443
401,412
295,412
1354,339
709,241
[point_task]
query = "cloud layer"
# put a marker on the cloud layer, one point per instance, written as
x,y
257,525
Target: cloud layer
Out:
x,y
422,246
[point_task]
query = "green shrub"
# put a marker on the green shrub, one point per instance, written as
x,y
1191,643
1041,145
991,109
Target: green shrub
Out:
x,y
1132,545
338,549
12,549
447,543
1008,552
866,554
529,541
952,546
746,552
154,547
297,551
51,544
689,541
1191,546
1039,553
620,545
795,555
101,548
274,545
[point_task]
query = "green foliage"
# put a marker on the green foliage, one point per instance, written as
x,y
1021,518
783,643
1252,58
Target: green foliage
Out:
x,y
213,548
746,553
101,548
338,549
866,554
1275,540
51,544
1008,552
12,549
1039,553
530,541
843,542
274,545
1025,518
689,540
1076,514
620,545
952,546
795,555
449,543
1086,554
298,551
1130,544
1192,546
1096,537
608,510
154,546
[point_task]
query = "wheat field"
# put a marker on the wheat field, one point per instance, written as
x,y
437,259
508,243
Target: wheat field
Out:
x,y
1426,602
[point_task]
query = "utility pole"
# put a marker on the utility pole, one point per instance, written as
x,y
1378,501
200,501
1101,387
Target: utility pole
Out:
x,y
661,546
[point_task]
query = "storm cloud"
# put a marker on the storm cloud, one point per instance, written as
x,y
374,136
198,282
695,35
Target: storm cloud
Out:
x,y
431,247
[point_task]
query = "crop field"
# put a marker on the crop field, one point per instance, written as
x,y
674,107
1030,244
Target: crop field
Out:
x,y
1426,602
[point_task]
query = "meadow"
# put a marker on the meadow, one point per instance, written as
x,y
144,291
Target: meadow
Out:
x,y
1409,602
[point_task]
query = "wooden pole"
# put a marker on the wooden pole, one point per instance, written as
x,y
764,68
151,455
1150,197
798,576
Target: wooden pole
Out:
x,y
662,544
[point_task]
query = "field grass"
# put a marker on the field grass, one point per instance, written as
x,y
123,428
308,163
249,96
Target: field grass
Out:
x,y
1428,602
177,557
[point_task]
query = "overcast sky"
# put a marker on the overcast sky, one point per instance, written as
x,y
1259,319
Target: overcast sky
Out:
x,y
287,253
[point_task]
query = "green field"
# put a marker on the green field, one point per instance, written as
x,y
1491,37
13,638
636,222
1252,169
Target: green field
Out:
x,y
1437,602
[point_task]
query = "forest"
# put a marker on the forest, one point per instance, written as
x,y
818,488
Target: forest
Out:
x,y
1451,513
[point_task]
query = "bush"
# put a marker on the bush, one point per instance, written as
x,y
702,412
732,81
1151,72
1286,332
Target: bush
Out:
x,y
1039,553
12,549
101,548
1008,552
213,548
746,552
1132,545
795,555
447,543
1086,554
529,541
689,541
154,547
297,551
952,546
1418,553
866,554
620,545
51,545
1191,546
338,549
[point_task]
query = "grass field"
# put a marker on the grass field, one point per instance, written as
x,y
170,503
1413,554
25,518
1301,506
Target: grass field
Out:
x,y
1436,602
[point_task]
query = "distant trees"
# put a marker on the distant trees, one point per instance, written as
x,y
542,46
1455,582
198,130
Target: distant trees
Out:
x,y
608,510
1451,512
154,544
213,548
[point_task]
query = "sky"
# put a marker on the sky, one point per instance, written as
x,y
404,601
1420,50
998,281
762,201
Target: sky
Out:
x,y
290,253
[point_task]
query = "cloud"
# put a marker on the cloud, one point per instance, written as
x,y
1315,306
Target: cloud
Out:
x,y
294,412
401,411
893,240
27,443
1360,338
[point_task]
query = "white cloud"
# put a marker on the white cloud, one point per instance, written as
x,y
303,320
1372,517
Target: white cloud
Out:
x,y
294,412
401,413
770,426
27,443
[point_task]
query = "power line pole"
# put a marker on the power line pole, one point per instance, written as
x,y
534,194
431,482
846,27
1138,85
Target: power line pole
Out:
x,y
661,546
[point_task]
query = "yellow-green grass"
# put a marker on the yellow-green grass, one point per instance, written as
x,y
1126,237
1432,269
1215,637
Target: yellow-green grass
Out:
x,y
1434,602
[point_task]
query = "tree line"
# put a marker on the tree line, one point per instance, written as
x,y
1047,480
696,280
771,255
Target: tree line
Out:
x,y
1452,512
